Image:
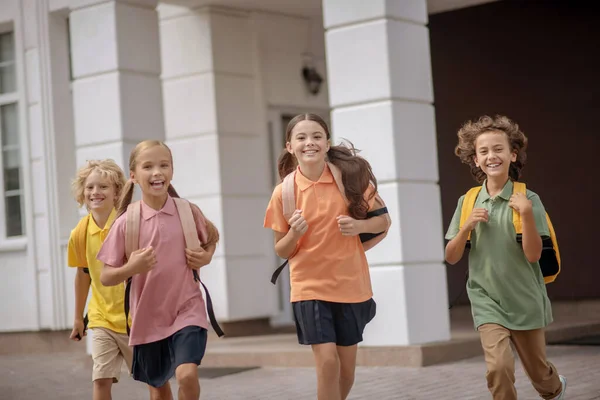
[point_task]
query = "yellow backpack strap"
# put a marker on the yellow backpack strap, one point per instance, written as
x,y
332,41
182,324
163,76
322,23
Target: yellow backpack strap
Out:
x,y
467,206
549,279
518,187
288,195
132,228
80,242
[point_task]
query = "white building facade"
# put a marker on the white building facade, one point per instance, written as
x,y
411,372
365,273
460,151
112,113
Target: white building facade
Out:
x,y
218,81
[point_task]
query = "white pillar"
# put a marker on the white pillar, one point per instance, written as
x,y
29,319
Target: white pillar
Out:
x,y
116,77
215,125
381,94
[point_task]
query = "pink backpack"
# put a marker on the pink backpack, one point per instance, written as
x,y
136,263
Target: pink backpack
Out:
x,y
188,223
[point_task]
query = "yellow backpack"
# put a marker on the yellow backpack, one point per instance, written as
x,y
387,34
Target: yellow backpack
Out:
x,y
550,263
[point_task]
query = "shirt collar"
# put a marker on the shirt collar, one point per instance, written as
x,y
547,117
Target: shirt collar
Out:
x,y
149,212
505,194
304,183
93,228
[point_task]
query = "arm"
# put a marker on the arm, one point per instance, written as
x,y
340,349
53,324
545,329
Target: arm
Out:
x,y
532,242
82,288
456,247
285,243
375,224
112,276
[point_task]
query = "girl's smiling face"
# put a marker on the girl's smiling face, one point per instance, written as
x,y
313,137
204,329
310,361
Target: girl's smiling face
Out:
x,y
153,171
308,143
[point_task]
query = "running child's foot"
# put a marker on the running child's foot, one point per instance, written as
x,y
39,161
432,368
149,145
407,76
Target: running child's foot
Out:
x,y
563,382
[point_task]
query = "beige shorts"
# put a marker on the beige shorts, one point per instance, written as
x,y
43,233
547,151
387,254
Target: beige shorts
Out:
x,y
109,350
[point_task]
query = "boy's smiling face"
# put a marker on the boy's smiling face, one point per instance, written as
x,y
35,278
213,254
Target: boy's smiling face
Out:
x,y
99,192
493,154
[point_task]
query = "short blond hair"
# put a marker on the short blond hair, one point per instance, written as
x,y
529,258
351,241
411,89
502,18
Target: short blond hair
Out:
x,y
108,169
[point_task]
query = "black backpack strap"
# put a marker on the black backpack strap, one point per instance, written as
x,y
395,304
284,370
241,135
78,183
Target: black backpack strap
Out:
x,y
209,307
278,272
85,317
127,293
365,237
378,212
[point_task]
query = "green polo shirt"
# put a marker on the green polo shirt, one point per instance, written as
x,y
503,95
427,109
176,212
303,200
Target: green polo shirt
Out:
x,y
503,287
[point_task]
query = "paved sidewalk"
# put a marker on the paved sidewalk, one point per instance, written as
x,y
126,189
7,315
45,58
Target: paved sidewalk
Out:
x,y
66,376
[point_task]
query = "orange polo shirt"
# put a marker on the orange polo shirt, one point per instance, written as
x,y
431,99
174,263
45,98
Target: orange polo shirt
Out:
x,y
327,266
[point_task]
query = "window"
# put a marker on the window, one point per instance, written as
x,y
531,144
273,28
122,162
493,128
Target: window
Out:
x,y
10,154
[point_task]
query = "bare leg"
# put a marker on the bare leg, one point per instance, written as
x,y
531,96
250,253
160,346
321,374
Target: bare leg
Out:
x,y
347,356
328,371
187,378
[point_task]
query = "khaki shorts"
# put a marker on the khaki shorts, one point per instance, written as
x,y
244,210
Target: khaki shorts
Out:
x,y
109,350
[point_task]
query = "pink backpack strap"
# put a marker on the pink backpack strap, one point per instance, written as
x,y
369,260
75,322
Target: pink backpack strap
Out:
x,y
132,228
337,177
288,195
188,223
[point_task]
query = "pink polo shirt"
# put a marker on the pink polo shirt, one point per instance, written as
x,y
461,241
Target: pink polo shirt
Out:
x,y
167,298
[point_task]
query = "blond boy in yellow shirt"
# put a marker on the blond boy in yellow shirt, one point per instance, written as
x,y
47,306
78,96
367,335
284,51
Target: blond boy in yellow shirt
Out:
x,y
98,186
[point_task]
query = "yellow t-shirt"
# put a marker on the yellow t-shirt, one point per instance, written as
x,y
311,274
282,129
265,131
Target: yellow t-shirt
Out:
x,y
106,306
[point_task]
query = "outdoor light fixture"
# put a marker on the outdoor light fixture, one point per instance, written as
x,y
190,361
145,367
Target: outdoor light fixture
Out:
x,y
312,79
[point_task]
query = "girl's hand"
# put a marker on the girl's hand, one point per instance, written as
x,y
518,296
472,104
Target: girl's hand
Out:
x,y
197,258
477,215
298,224
348,225
520,203
142,260
78,331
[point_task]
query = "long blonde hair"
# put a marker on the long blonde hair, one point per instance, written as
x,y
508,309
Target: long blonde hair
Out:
x,y
107,169
212,232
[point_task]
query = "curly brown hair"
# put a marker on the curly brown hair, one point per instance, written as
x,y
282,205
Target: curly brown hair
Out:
x,y
470,131
357,173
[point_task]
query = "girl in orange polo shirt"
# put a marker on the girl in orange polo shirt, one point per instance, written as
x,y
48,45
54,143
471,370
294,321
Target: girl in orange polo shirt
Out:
x,y
330,284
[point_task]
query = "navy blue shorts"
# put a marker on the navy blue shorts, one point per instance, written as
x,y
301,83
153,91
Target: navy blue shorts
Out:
x,y
320,321
155,363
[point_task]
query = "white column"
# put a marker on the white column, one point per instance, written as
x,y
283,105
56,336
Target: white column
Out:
x,y
215,125
380,89
117,95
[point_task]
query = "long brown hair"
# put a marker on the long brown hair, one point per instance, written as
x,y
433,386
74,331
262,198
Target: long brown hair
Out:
x,y
470,131
212,232
356,171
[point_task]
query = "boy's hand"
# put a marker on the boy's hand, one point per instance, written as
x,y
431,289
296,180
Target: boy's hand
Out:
x,y
197,258
477,215
142,260
298,224
348,225
520,203
78,331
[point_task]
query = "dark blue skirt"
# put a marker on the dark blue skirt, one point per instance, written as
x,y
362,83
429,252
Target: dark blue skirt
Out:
x,y
155,363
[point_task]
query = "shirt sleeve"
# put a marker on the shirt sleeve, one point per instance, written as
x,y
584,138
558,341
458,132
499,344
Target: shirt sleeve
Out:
x,y
274,218
112,252
455,223
539,214
73,259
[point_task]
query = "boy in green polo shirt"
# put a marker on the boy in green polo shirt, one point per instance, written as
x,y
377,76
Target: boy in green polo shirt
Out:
x,y
506,288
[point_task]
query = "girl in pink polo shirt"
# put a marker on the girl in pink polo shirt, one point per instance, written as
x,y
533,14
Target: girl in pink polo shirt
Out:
x,y
330,284
169,322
